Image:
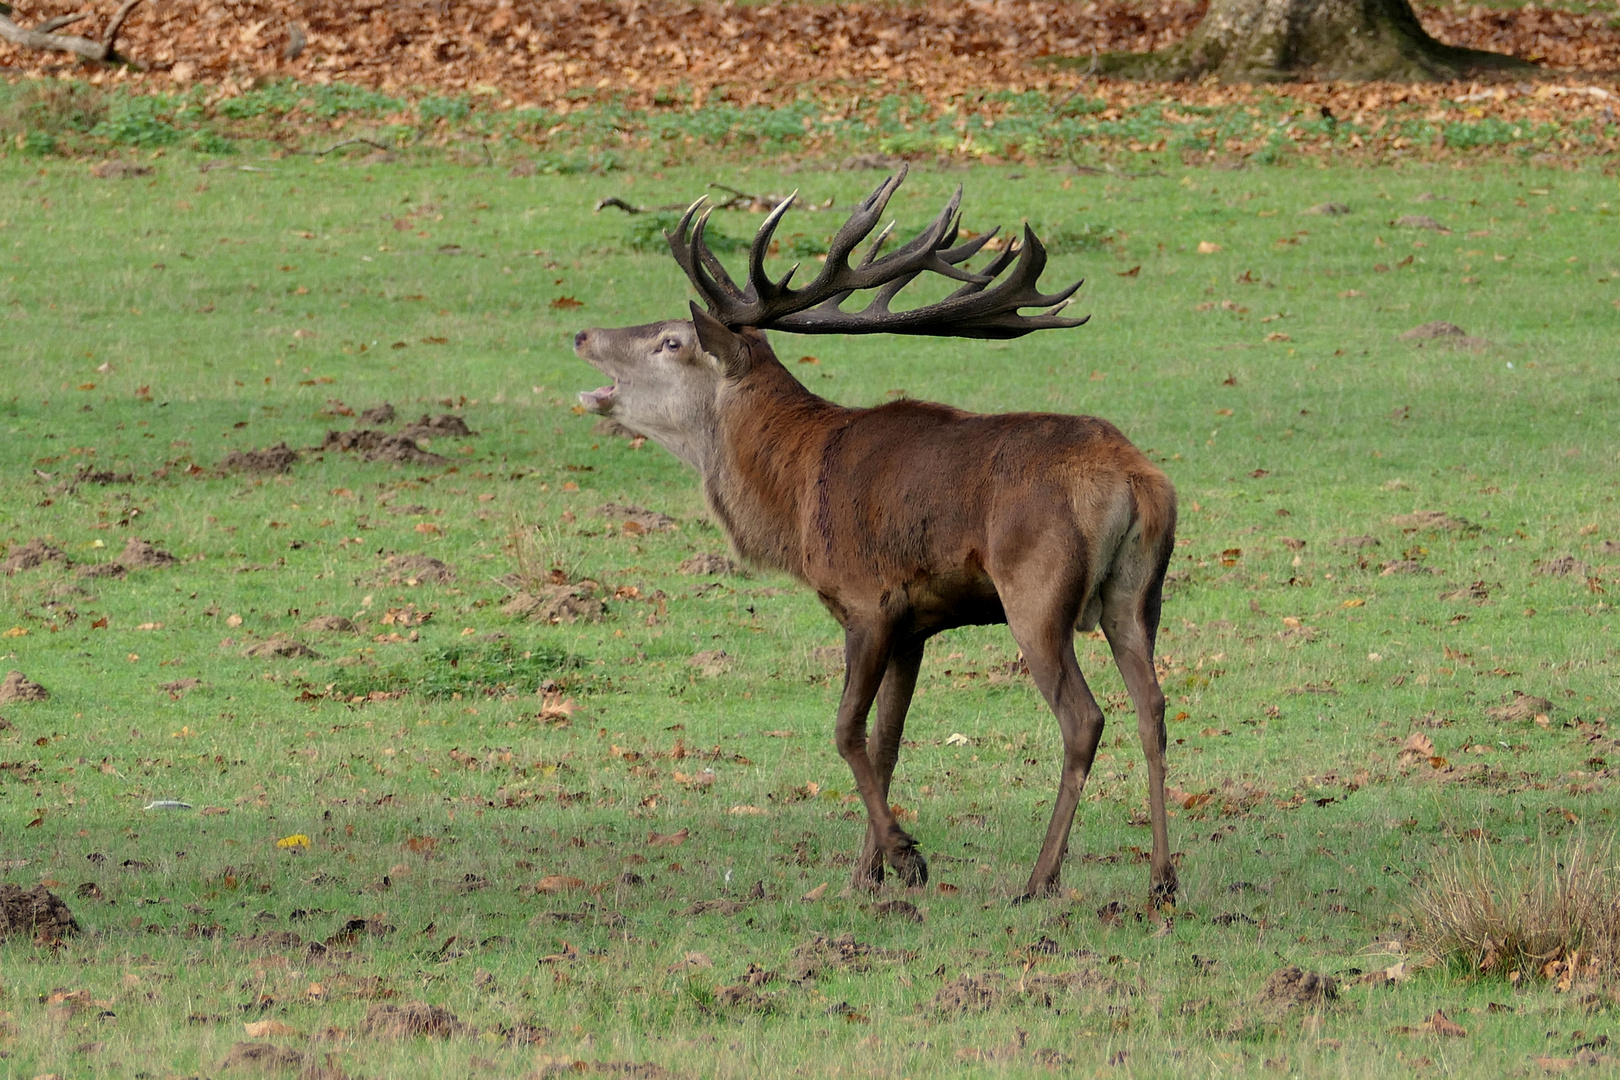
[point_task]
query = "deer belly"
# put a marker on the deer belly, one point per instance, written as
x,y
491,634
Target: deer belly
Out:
x,y
943,602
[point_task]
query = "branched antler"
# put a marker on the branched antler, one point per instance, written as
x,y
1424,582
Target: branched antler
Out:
x,y
980,308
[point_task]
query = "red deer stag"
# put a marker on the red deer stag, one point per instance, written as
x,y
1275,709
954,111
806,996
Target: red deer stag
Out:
x,y
912,518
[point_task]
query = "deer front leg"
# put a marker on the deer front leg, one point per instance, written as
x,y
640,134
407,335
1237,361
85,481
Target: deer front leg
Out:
x,y
866,656
883,749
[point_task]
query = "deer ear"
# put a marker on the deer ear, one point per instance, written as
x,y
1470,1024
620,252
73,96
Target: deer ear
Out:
x,y
719,342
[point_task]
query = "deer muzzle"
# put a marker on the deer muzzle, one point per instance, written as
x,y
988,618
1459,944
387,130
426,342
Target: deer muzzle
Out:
x,y
600,400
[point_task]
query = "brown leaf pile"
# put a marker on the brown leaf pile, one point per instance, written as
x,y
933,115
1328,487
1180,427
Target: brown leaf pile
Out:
x,y
540,51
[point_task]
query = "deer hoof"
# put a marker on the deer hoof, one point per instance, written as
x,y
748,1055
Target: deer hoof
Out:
x,y
868,880
911,866
1033,893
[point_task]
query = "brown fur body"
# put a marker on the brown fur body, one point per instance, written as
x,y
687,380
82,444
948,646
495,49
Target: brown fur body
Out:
x,y
912,518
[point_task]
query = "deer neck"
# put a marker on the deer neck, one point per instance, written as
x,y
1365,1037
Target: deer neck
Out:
x,y
765,463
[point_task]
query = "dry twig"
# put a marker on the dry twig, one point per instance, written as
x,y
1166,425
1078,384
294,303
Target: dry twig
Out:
x,y
44,36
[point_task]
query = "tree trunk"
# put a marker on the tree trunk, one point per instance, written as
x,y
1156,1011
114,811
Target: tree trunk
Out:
x,y
1277,40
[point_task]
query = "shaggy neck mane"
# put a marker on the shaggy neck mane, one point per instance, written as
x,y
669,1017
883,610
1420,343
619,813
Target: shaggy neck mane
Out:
x,y
772,431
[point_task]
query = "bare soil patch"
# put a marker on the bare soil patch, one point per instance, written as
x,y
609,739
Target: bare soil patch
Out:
x,y
636,517
119,170
280,648
416,1019
32,555
271,459
418,569
262,1056
1290,987
1520,706
559,604
36,912
139,554
1562,566
844,953
331,624
708,563
446,425
18,687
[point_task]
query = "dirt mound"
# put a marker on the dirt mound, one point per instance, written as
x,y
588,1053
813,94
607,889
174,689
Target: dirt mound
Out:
x,y
271,459
1289,986
101,477
899,909
1519,706
32,555
18,687
374,445
279,647
709,564
1438,520
1444,333
104,570
842,953
36,912
445,425
140,555
970,993
179,686
402,450
1431,331
417,570
559,604
1327,209
1563,566
272,939
262,1056
378,415
647,520
119,170
1418,221
331,624
711,662
1403,566
410,1021
364,440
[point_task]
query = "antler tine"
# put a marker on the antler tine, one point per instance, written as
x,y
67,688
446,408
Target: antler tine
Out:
x,y
877,244
763,289
860,224
704,270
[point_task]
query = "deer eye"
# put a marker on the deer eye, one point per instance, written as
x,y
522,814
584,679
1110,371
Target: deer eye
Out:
x,y
670,345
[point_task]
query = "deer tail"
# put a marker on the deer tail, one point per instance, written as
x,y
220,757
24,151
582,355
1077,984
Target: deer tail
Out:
x,y
1155,500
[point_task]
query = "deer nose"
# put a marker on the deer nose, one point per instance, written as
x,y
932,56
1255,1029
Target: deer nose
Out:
x,y
581,337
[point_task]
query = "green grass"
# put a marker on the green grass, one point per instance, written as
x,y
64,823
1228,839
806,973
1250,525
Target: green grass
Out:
x,y
154,324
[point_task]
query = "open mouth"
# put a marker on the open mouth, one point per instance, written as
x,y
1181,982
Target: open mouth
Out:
x,y
599,400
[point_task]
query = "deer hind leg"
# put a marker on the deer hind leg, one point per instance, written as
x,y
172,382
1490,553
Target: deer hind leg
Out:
x,y
1047,640
866,657
883,749
1130,622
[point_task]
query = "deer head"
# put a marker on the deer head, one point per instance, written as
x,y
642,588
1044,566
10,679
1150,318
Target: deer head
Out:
x,y
664,384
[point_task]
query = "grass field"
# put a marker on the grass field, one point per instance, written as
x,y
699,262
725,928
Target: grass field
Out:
x,y
591,872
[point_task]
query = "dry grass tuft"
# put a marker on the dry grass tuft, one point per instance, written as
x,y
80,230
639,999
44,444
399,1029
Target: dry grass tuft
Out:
x,y
1552,912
